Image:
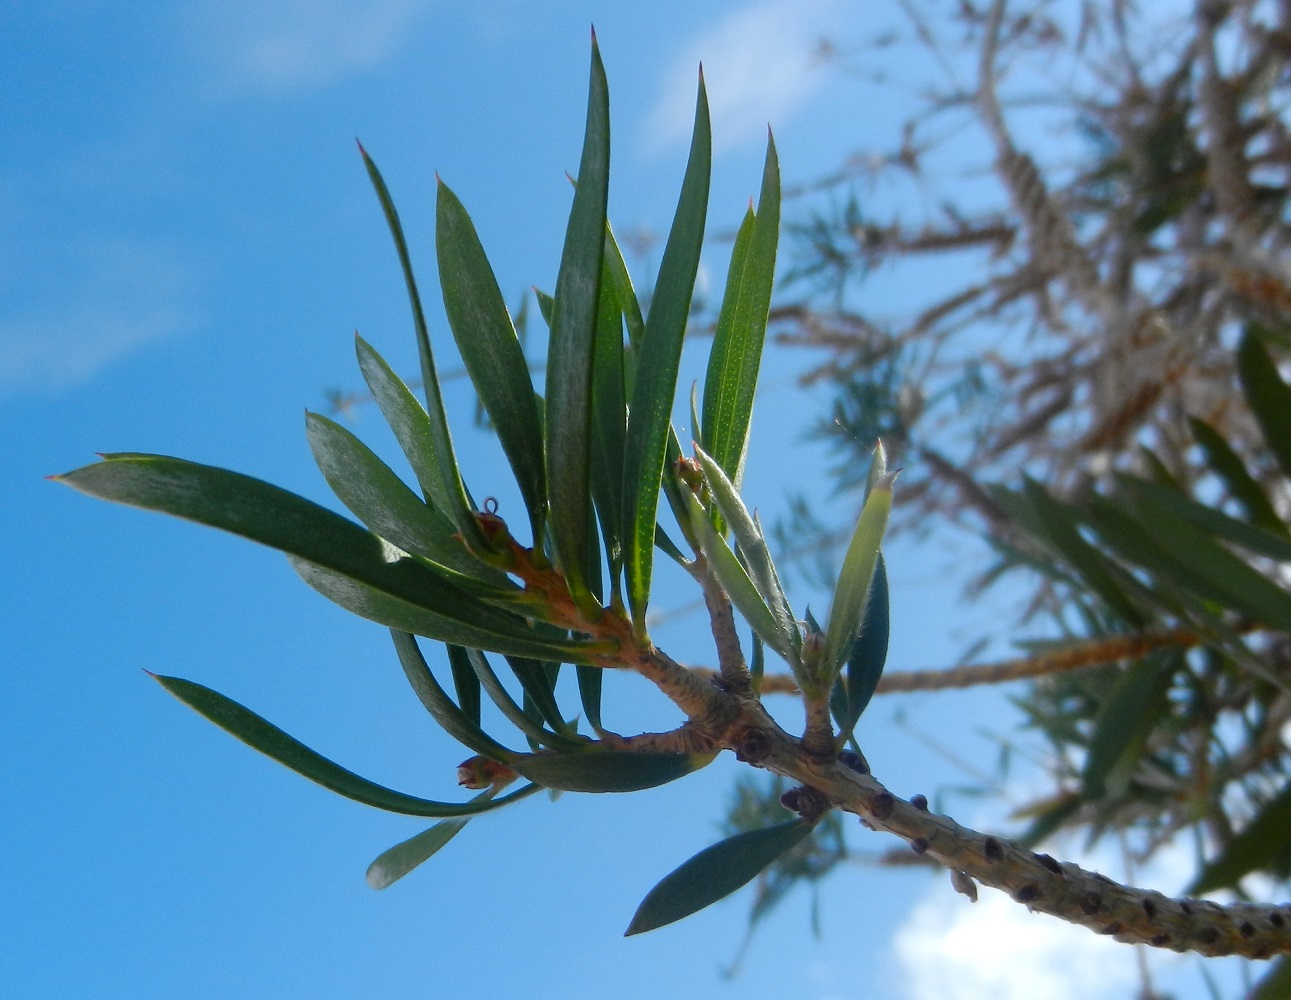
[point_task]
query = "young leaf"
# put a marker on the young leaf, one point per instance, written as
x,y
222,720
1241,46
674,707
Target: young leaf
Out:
x,y
569,357
598,770
490,349
1268,396
715,873
271,741
854,580
658,359
462,723
733,364
457,506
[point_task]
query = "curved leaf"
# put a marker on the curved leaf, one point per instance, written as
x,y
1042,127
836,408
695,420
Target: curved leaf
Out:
x,y
517,715
656,367
868,655
456,504
596,770
1245,489
458,721
259,734
569,356
715,873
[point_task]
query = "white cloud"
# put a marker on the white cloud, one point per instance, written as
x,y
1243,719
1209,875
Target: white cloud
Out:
x,y
114,297
996,949
760,63
283,44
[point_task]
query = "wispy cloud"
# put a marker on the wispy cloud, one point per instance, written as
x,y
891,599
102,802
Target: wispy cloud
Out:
x,y
113,298
760,64
285,44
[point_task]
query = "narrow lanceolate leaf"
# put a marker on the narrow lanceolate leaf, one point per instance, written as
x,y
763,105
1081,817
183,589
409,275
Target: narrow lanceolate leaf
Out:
x,y
867,656
1268,397
657,362
458,721
1245,489
392,865
742,591
1262,847
570,354
715,873
854,579
752,542
609,425
381,500
478,625
457,506
271,741
1132,710
590,682
608,770
517,715
490,349
732,378
302,529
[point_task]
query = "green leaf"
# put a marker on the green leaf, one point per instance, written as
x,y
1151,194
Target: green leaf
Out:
x,y
596,770
487,627
1211,521
570,354
867,656
854,580
515,713
590,682
714,873
1268,396
490,349
732,379
462,723
539,683
1263,846
1059,527
609,425
392,865
657,363
741,590
271,741
1129,714
455,503
752,541
1245,489
397,862
1274,984
381,500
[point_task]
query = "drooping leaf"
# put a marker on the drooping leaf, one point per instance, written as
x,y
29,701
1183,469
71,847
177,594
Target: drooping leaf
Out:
x,y
522,720
392,865
657,362
731,382
715,873
462,722
1263,846
456,506
1268,397
854,580
539,683
490,349
590,682
381,500
596,770
570,354
271,741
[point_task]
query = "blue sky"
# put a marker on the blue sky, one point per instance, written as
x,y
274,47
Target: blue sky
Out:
x,y
187,244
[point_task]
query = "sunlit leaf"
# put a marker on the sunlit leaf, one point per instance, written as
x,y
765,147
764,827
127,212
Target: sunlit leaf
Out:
x,y
715,873
657,362
867,656
596,770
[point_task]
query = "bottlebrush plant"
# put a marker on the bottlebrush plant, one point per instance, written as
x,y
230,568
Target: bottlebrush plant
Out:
x,y
593,455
